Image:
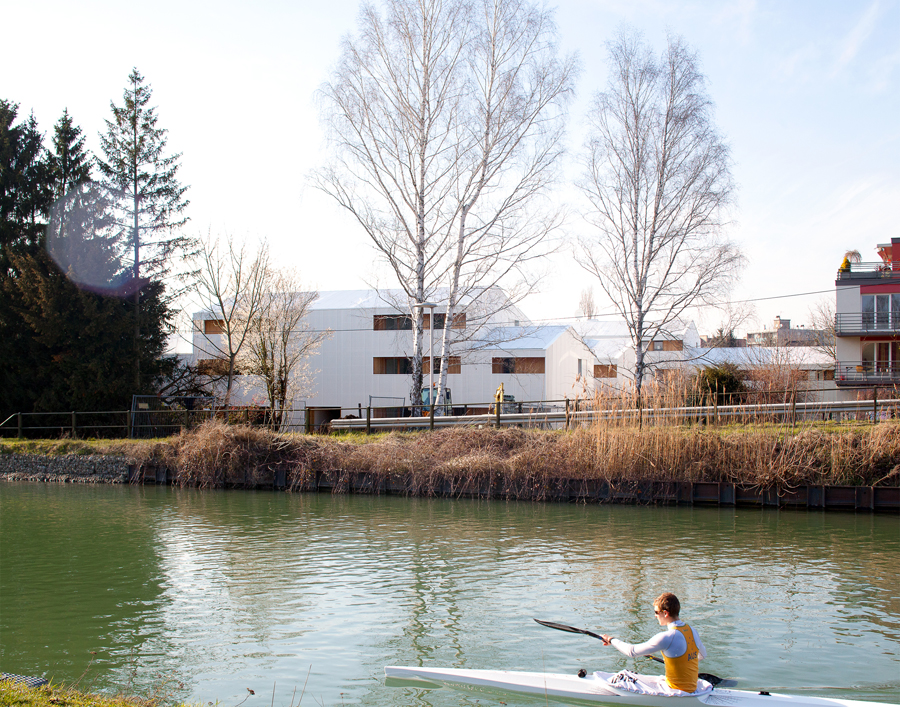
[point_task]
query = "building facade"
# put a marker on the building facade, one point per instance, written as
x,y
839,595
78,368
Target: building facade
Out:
x,y
365,358
867,322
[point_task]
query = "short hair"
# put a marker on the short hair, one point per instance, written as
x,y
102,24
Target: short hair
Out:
x,y
668,602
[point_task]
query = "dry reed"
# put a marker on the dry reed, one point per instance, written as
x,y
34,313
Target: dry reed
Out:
x,y
527,463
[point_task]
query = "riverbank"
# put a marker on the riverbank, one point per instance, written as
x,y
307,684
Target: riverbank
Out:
x,y
597,463
20,695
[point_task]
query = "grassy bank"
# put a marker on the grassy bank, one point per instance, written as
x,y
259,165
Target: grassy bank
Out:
x,y
765,456
19,695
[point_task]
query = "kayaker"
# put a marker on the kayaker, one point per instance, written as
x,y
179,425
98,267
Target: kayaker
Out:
x,y
679,644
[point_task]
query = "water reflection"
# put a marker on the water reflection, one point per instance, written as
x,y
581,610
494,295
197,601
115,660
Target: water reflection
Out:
x,y
233,590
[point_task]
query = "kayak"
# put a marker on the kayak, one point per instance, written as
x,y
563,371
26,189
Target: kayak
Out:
x,y
594,688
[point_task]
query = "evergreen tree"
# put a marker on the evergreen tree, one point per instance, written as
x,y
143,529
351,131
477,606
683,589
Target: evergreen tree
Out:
x,y
79,344
152,198
25,180
137,167
64,346
70,163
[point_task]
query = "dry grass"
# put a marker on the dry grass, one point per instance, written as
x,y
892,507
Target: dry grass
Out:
x,y
467,459
526,463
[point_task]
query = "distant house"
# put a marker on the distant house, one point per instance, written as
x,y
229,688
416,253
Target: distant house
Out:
x,y
610,342
867,321
782,334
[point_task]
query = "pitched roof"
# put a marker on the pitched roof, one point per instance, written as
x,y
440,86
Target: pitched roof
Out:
x,y
523,337
804,357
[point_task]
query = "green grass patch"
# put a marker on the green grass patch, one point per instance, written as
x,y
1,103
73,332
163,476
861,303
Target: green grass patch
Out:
x,y
18,695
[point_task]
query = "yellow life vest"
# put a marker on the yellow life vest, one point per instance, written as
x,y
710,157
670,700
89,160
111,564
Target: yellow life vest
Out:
x,y
682,672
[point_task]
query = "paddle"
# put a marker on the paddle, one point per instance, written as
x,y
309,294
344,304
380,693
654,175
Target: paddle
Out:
x,y
714,680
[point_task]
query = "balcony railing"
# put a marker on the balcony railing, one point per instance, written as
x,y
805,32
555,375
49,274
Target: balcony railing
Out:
x,y
866,323
866,373
868,271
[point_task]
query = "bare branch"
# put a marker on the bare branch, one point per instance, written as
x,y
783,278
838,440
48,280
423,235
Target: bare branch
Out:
x,y
658,183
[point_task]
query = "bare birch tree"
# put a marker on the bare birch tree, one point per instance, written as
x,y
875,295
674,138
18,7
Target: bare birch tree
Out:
x,y
511,122
447,117
392,110
586,306
230,286
658,181
280,342
821,319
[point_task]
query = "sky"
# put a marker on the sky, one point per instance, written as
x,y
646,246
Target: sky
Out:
x,y
807,94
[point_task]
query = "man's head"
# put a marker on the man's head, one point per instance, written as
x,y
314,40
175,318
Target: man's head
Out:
x,y
667,607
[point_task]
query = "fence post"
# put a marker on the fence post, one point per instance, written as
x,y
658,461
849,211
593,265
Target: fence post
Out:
x,y
497,405
875,404
73,423
128,428
793,408
369,420
19,422
567,412
431,415
308,421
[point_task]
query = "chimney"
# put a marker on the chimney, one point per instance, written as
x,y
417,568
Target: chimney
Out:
x,y
781,323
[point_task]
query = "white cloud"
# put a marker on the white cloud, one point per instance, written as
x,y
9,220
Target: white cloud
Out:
x,y
857,36
742,13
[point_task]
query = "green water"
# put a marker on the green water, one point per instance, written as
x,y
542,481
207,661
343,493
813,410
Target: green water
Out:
x,y
203,595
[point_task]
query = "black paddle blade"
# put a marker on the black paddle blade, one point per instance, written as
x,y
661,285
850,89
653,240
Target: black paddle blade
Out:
x,y
570,629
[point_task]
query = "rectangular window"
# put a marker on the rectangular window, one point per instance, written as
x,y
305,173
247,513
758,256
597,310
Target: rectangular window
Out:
x,y
602,370
391,365
392,322
882,311
517,365
214,367
454,365
214,326
503,365
868,312
404,322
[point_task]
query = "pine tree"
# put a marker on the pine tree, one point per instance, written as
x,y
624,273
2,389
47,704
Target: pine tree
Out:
x,y
136,167
62,345
70,163
152,198
26,193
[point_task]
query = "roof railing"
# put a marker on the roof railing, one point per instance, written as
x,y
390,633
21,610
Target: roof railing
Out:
x,y
870,270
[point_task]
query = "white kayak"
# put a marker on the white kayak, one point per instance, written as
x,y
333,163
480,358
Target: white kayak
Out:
x,y
594,689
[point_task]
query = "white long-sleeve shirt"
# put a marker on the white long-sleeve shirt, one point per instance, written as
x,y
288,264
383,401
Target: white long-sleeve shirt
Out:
x,y
670,642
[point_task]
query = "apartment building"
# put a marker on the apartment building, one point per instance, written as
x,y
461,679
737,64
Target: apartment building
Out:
x,y
867,321
365,358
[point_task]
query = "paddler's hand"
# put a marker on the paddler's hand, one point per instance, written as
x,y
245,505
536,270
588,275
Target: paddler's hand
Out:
x,y
606,639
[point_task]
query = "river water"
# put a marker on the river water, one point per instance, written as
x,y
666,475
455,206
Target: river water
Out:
x,y
205,595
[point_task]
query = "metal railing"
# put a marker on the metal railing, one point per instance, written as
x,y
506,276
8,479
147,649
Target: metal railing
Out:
x,y
866,373
101,423
865,322
787,406
790,411
869,271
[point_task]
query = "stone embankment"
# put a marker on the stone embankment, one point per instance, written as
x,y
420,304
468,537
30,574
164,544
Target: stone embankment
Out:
x,y
75,469
101,469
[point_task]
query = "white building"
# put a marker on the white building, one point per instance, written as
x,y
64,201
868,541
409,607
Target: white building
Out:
x,y
867,322
365,358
